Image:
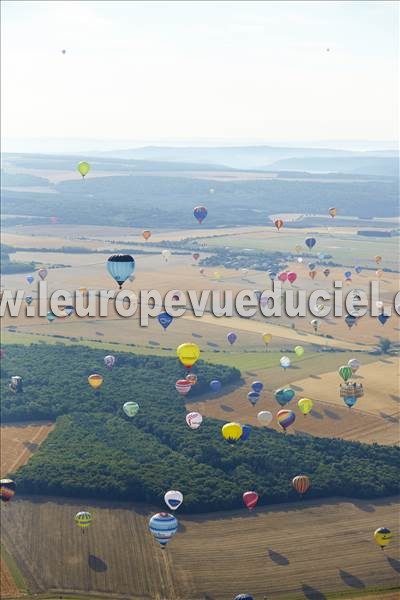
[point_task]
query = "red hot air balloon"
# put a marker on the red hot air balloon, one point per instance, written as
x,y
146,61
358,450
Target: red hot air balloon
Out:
x,y
278,224
291,276
283,276
183,386
301,483
250,499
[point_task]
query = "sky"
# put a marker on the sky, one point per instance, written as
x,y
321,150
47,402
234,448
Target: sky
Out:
x,y
223,71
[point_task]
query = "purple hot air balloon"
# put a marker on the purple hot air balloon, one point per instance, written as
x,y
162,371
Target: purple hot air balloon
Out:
x,y
231,337
200,213
257,386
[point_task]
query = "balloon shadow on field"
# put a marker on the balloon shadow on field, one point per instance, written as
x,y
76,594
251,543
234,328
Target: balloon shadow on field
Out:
x,y
364,506
332,415
351,580
395,397
394,563
277,558
226,408
388,418
297,388
314,376
312,593
31,446
96,564
317,415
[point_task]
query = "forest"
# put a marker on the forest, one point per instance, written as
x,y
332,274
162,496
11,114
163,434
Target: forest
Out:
x,y
96,451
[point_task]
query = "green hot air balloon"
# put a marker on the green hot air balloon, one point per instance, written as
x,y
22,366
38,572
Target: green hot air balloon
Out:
x,y
83,168
131,409
345,372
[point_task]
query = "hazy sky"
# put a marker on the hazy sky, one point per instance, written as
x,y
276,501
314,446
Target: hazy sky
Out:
x,y
227,70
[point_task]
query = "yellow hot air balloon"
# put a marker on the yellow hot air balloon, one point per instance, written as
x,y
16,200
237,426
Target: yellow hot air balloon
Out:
x,y
299,351
188,354
83,519
383,536
232,432
217,276
95,380
332,211
146,234
83,168
305,405
267,337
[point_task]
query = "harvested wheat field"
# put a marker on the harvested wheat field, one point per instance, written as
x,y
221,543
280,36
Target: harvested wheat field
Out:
x,y
266,552
19,441
8,588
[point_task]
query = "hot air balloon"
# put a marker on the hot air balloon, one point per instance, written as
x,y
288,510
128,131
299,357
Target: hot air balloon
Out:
x,y
285,418
109,361
69,310
194,420
183,386
315,323
378,259
7,489
312,274
379,304
383,318
358,269
264,417
42,274
231,337
120,267
83,168
28,300
354,364
301,484
311,266
257,386
250,499
166,254
284,395
299,351
217,276
332,211
16,384
146,234
278,224
267,337
165,320
326,272
50,317
350,320
283,276
347,274
285,362
243,597
215,386
188,354
383,536
310,242
253,397
244,272
95,380
345,372
232,432
195,256
173,499
379,273
246,433
191,378
131,409
163,526
272,275
201,271
349,400
30,279
200,213
291,276
305,405
83,519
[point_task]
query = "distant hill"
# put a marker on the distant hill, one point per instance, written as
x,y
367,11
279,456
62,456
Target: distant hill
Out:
x,y
368,165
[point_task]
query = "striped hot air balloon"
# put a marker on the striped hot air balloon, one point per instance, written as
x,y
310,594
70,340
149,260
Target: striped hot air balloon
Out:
x,y
301,483
83,519
194,420
285,418
7,489
163,526
183,386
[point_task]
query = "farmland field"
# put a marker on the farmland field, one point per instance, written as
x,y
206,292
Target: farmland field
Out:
x,y
266,552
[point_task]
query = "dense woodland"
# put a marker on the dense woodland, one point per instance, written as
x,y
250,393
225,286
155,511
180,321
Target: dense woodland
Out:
x,y
96,451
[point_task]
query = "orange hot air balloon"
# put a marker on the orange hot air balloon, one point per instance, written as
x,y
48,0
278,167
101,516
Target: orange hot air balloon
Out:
x,y
312,274
378,259
95,380
278,224
146,234
301,484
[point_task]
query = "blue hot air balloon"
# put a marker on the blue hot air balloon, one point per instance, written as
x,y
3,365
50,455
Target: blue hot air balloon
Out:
x,y
165,320
272,275
243,597
284,395
350,320
30,279
310,242
200,213
163,526
383,318
231,337
257,386
120,267
215,385
312,266
350,401
246,432
347,274
253,397
358,269
29,300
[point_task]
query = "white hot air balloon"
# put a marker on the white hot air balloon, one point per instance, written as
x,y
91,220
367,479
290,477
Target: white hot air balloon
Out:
x,y
264,417
173,499
194,420
354,364
285,362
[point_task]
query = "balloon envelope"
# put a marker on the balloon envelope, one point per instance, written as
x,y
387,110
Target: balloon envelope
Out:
x,y
232,432
146,234
95,380
194,420
305,405
354,364
131,409
231,337
30,279
284,395
109,361
264,417
191,378
292,276
278,224
299,351
165,320
253,397
200,213
285,362
345,372
188,354
310,242
83,519
250,499
246,429
257,386
215,385
382,319
383,536
42,274
83,168
267,337
301,483
163,526
173,499
7,489
183,386
120,267
285,418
